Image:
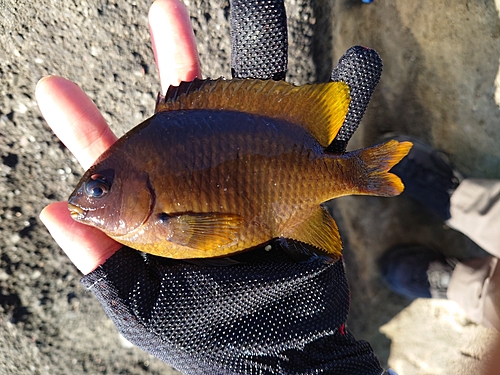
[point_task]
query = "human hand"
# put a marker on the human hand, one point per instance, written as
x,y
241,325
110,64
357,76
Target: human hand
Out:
x,y
267,315
77,122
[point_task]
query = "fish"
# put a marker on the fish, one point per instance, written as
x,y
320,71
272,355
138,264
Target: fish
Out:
x,y
225,166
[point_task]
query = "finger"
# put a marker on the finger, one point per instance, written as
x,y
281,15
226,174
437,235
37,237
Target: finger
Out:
x,y
174,43
259,39
92,246
74,118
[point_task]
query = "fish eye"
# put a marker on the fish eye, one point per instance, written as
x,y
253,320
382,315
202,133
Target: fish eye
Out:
x,y
97,186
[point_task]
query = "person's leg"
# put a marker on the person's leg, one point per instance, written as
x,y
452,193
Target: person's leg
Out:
x,y
474,285
475,211
418,272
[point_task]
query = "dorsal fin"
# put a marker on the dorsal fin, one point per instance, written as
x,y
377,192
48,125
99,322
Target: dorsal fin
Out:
x,y
320,108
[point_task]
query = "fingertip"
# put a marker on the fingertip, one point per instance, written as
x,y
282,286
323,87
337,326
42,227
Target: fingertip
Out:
x,y
44,89
47,86
43,216
40,85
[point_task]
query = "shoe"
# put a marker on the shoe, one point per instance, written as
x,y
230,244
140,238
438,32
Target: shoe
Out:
x,y
428,175
416,272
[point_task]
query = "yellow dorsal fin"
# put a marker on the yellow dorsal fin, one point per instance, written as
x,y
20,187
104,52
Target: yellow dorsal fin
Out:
x,y
320,108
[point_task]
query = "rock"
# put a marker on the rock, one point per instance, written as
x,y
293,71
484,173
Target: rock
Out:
x,y
425,348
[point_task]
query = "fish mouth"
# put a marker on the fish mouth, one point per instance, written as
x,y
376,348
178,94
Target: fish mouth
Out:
x,y
76,212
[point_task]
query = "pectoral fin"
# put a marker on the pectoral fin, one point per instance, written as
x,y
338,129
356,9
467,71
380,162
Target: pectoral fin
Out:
x,y
319,230
203,230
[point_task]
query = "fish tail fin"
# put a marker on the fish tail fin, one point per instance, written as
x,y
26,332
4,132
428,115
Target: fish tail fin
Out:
x,y
378,160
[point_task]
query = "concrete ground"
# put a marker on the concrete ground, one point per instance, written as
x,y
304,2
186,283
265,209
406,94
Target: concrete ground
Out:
x,y
441,63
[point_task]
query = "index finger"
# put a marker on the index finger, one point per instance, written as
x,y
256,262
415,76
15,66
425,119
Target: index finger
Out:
x,y
174,43
74,118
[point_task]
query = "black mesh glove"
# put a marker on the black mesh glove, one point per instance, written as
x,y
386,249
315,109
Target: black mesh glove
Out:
x,y
268,314
360,68
259,40
273,316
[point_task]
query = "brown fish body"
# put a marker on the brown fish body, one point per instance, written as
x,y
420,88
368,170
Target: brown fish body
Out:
x,y
191,183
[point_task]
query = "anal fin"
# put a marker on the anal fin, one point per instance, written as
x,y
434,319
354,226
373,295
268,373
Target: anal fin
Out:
x,y
319,230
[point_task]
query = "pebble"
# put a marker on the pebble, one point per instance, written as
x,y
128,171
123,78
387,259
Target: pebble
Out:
x,y
3,275
15,238
22,109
